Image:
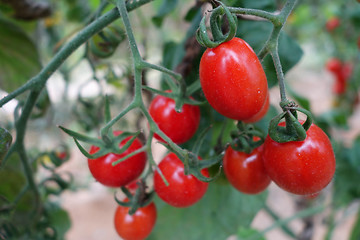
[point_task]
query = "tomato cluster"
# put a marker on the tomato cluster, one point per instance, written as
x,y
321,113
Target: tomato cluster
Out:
x,y
235,85
342,72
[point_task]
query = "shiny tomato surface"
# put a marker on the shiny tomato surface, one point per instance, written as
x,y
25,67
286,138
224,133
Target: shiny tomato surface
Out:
x,y
263,111
183,191
301,167
178,126
246,172
121,174
137,226
233,80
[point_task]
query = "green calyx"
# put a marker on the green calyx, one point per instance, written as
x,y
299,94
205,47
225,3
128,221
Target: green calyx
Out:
x,y
246,138
215,26
293,130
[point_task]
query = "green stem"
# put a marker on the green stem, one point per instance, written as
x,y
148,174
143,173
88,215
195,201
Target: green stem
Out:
x,y
284,227
302,214
254,12
69,48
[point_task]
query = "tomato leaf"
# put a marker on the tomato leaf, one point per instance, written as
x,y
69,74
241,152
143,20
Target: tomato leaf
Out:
x,y
58,219
166,7
355,233
19,59
217,216
245,233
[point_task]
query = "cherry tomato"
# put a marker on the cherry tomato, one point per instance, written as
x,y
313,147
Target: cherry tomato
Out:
x,y
233,80
334,65
178,126
332,24
301,167
137,226
257,117
246,172
121,174
183,191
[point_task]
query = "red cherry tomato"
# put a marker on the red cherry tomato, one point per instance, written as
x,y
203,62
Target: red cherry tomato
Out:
x,y
300,167
233,80
257,117
183,190
332,24
122,173
334,65
179,127
246,172
137,226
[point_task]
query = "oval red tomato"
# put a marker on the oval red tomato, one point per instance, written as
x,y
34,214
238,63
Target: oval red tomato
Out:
x,y
183,190
178,126
257,117
301,167
121,174
334,65
246,172
233,80
137,226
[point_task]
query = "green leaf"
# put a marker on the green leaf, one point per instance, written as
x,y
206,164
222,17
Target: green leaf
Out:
x,y
217,216
59,219
166,7
256,34
19,59
266,5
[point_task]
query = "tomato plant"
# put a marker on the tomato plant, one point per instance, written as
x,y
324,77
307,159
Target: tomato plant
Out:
x,y
137,226
178,126
183,190
301,167
233,80
122,173
246,172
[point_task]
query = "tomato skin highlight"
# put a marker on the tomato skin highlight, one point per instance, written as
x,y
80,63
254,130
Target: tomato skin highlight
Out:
x,y
301,167
179,127
183,190
233,80
137,226
123,173
246,172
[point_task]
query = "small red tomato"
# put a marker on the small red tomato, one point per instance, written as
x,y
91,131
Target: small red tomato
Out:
x,y
257,117
183,190
332,24
137,226
246,172
121,174
300,167
334,65
178,126
233,80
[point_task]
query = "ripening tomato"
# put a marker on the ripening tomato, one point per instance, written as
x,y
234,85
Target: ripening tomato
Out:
x,y
334,65
178,126
300,167
183,190
121,174
332,24
246,172
233,80
257,117
137,226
